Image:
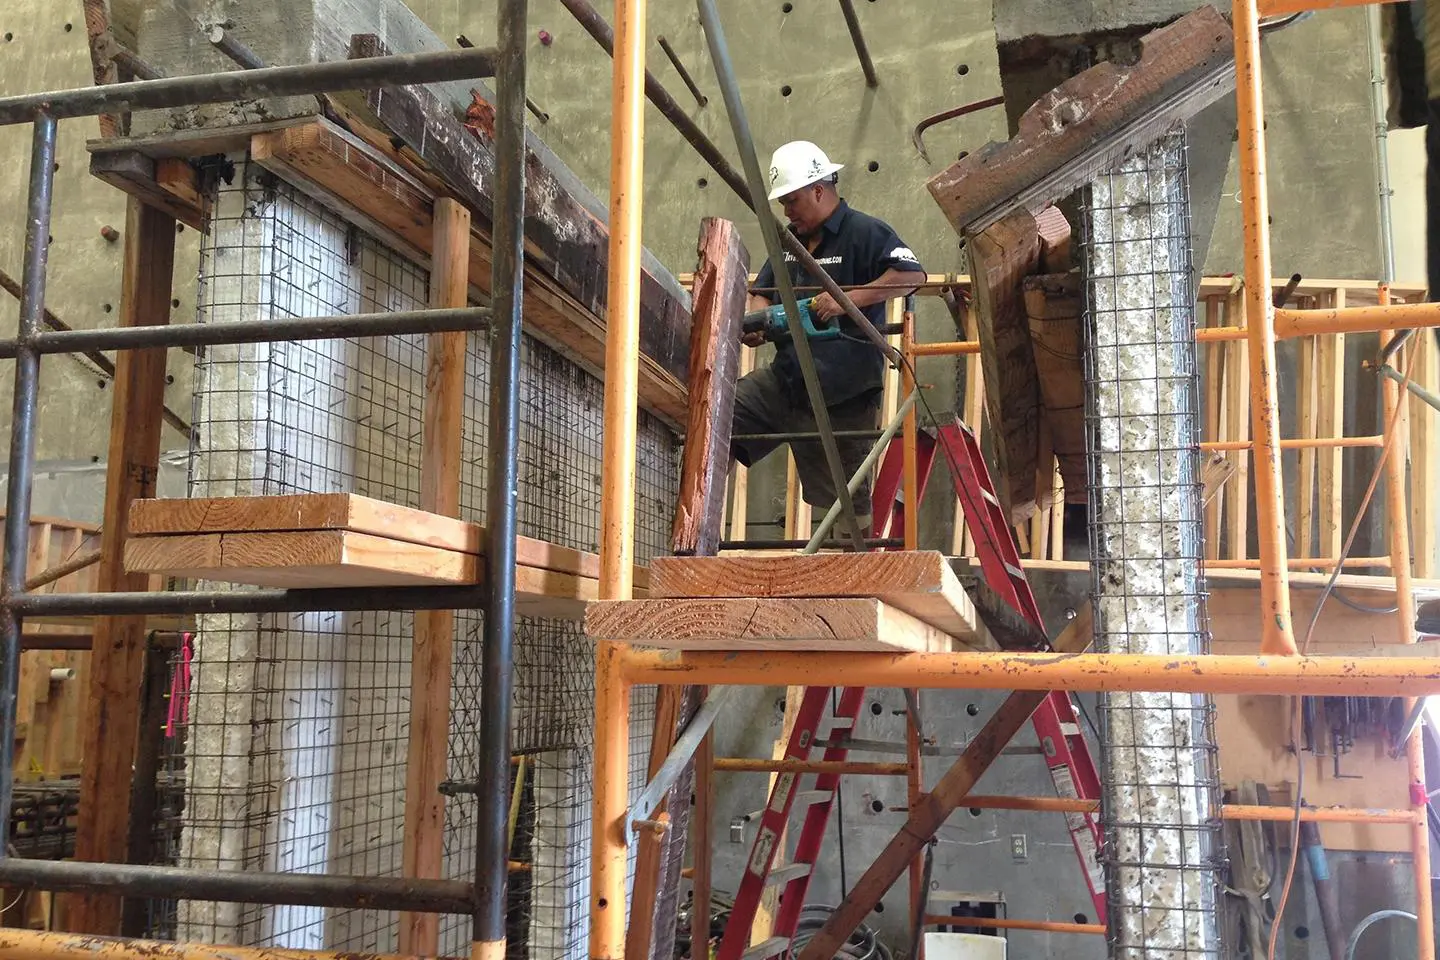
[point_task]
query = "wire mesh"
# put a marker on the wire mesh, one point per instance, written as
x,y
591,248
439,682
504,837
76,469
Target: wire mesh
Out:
x,y
1159,777
298,723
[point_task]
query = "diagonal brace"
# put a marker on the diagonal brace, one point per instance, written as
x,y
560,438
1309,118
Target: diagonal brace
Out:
x,y
685,746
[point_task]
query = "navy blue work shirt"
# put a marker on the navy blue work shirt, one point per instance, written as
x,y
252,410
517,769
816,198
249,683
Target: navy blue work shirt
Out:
x,y
854,249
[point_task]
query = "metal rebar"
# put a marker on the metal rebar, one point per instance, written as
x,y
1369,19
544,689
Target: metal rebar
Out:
x,y
871,458
917,136
235,886
1415,388
224,41
679,757
299,80
700,98
670,109
256,331
861,50
16,547
492,848
769,229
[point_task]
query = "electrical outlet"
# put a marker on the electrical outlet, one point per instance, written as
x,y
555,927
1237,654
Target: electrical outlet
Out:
x,y
1019,847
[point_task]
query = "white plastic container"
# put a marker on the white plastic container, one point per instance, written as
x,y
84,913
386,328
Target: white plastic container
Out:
x,y
963,946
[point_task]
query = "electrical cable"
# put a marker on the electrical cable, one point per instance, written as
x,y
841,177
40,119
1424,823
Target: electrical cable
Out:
x,y
1385,451
1365,924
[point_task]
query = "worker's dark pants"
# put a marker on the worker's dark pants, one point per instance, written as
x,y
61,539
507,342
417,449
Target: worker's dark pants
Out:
x,y
764,405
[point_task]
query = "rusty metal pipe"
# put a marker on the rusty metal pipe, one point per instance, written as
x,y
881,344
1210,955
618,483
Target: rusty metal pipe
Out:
x,y
849,767
689,81
1006,923
16,944
857,36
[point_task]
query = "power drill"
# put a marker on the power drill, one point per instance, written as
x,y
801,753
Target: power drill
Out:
x,y
773,322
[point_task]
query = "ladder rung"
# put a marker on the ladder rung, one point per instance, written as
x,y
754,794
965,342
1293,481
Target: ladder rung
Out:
x,y
1070,729
1013,570
842,723
988,495
783,875
807,797
766,949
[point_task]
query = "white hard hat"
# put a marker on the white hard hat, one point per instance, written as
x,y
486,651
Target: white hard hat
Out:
x,y
797,164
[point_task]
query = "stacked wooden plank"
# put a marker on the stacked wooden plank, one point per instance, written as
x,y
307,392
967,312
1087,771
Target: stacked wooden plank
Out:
x,y
345,540
881,602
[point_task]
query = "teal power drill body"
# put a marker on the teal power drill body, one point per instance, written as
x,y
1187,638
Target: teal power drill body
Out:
x,y
774,323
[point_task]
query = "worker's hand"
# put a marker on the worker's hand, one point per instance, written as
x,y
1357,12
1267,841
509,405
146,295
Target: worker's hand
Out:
x,y
826,308
753,339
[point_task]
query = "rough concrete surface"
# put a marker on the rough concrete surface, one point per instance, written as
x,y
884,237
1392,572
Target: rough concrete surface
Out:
x,y
43,47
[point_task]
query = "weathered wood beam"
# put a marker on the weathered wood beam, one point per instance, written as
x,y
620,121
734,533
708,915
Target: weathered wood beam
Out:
x,y
117,666
1001,256
934,808
169,186
1090,122
717,307
1053,308
565,239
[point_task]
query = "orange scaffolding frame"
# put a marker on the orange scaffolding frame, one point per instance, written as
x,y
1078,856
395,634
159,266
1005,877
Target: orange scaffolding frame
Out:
x,y
1279,669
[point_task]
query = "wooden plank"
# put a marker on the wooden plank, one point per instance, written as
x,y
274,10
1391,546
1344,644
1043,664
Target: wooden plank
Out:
x,y
34,685
932,809
1330,422
798,521
921,582
1091,122
639,934
964,540
348,511
1001,257
810,624
307,558
740,486
1237,427
135,174
1055,240
718,305
702,845
1053,308
762,927
564,239
430,668
1423,478
118,660
1307,390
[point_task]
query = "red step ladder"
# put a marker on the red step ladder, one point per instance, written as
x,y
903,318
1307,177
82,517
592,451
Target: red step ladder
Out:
x,y
1067,755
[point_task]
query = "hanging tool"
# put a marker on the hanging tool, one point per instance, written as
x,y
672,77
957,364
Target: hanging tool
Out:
x,y
775,323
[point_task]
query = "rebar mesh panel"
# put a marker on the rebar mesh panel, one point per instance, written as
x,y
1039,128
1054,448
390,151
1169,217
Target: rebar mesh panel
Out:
x,y
299,723
1159,775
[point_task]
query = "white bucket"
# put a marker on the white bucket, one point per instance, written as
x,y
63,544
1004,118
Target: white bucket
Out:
x,y
963,946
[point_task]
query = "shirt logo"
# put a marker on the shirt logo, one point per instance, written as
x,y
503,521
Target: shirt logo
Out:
x,y
904,253
774,175
790,258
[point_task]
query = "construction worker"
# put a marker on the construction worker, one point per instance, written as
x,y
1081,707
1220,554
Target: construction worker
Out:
x,y
863,255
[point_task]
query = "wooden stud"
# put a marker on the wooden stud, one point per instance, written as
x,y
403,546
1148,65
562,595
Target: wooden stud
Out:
x,y
1423,472
703,852
639,935
430,669
740,487
975,419
797,511
1330,422
1308,388
1237,414
118,660
1215,421
763,925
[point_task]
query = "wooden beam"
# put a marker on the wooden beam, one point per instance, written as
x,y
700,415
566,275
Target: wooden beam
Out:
x,y
650,849
819,624
934,808
963,543
430,666
921,583
1091,122
740,487
102,67
136,174
1001,257
1214,388
565,240
703,855
717,307
118,659
1053,306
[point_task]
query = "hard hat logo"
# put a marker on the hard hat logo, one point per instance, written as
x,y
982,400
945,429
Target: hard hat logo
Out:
x,y
798,164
